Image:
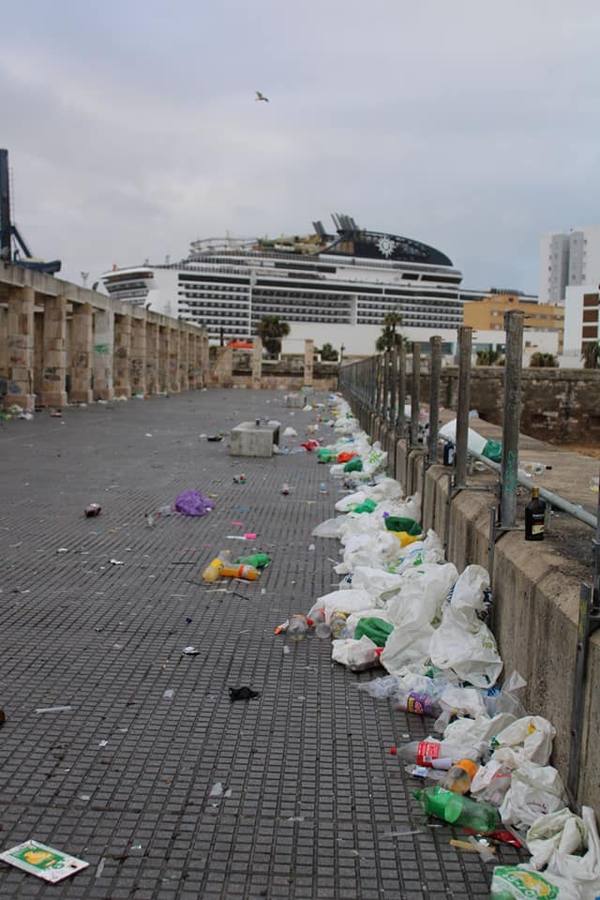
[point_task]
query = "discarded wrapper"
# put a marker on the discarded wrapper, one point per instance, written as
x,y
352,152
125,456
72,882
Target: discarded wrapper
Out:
x,y
43,861
94,509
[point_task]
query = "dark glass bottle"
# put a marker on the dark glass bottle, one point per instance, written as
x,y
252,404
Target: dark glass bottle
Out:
x,y
535,514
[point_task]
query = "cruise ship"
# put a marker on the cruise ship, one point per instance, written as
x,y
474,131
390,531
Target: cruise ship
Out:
x,y
334,287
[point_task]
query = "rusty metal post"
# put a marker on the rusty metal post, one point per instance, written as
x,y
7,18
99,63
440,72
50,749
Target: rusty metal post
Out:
x,y
434,398
415,393
465,338
513,325
401,390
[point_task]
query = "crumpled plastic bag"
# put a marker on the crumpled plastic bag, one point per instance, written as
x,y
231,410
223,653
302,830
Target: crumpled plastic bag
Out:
x,y
378,583
583,870
330,528
423,590
524,883
527,740
408,644
491,782
193,503
534,791
380,688
469,588
560,831
464,645
475,731
343,600
462,701
355,655
368,550
506,700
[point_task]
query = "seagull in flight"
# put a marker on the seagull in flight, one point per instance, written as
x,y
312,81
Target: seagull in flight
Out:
x,y
260,96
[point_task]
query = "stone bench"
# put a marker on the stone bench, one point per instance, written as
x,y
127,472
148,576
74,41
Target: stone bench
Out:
x,y
250,439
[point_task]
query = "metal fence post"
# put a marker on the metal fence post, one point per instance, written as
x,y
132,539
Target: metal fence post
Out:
x,y
434,398
415,392
393,415
401,389
513,325
465,338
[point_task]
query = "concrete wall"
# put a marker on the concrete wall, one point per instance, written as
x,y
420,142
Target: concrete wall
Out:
x,y
536,598
247,369
557,404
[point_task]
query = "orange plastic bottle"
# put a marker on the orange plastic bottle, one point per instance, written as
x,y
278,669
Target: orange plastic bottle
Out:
x,y
248,573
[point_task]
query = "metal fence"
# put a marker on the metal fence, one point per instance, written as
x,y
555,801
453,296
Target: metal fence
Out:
x,y
377,387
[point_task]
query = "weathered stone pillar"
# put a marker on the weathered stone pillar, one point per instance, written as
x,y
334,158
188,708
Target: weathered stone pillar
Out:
x,y
122,380
54,352
257,362
224,367
183,359
82,342
104,342
191,366
204,360
163,358
152,384
174,382
309,362
138,356
20,348
3,343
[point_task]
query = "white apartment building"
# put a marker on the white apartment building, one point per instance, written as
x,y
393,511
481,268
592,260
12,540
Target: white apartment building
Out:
x,y
568,260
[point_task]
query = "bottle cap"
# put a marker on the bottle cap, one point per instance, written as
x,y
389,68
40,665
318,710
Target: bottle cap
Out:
x,y
468,766
535,492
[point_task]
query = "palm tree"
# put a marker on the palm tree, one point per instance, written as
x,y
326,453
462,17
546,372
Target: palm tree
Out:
x,y
591,356
271,330
543,360
489,358
328,353
388,338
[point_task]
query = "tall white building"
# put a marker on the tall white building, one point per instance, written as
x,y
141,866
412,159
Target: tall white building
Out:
x,y
568,260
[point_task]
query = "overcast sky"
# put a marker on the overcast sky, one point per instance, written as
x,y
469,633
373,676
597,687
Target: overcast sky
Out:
x,y
132,127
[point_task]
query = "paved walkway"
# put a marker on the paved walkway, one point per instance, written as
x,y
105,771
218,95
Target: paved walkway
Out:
x,y
318,807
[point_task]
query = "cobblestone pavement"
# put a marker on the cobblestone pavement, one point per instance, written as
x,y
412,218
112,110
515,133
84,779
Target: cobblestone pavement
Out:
x,y
318,807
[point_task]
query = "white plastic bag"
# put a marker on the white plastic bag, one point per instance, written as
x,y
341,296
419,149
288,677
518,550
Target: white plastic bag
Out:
x,y
464,645
469,588
380,688
406,645
368,550
562,831
534,791
583,870
527,740
378,583
355,655
290,432
345,601
422,593
491,782
462,701
330,528
524,883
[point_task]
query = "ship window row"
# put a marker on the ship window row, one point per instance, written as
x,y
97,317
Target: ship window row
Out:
x,y
208,304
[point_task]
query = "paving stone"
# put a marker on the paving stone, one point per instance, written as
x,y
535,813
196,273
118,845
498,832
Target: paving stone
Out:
x,y
107,640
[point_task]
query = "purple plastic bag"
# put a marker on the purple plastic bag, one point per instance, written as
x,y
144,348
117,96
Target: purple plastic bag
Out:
x,y
193,503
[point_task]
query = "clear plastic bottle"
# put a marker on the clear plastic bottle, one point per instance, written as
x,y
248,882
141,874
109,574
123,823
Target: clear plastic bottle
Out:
x,y
435,754
459,777
212,572
298,626
418,702
166,511
338,623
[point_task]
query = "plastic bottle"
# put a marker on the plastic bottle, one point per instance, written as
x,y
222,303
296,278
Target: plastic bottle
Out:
x,y
257,560
323,630
248,573
298,626
418,702
323,488
458,778
458,810
212,572
435,754
165,511
337,623
534,468
285,489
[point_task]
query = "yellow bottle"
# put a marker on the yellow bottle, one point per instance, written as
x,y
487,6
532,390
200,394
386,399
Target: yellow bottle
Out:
x,y
213,570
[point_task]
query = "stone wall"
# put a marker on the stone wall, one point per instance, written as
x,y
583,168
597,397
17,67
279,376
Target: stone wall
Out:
x,y
558,405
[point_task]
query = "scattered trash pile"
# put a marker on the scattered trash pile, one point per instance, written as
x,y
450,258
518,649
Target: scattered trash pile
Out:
x,y
401,607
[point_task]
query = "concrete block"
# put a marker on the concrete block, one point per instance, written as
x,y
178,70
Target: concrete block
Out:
x,y
294,401
250,439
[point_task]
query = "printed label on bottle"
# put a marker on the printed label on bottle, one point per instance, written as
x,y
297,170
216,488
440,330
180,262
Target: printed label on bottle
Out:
x,y
537,529
426,752
419,704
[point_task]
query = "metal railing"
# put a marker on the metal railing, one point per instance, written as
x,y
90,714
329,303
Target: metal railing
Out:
x,y
376,389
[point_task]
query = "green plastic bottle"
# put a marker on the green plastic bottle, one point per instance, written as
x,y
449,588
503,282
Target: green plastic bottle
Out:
x,y
493,451
377,629
458,810
258,560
